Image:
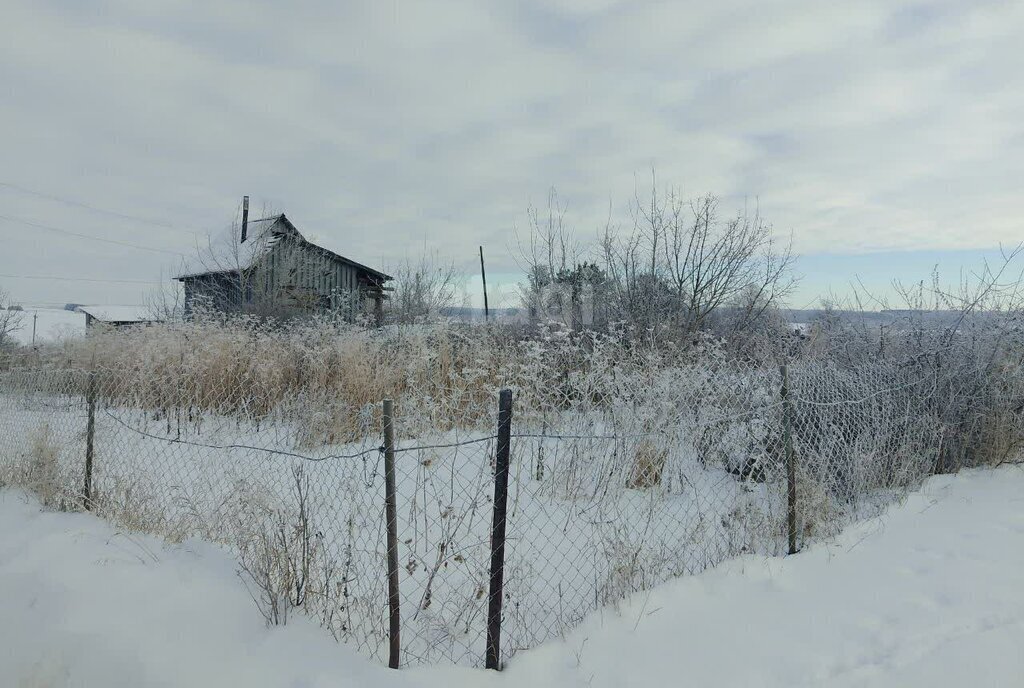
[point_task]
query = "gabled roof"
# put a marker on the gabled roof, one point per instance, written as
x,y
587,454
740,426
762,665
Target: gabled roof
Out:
x,y
269,231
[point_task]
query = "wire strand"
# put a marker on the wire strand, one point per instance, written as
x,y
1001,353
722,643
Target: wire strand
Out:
x,y
79,235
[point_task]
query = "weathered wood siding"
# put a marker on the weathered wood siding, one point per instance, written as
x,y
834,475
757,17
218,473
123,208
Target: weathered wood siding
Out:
x,y
299,274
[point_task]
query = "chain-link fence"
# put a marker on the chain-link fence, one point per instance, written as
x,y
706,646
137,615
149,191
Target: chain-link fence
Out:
x,y
608,493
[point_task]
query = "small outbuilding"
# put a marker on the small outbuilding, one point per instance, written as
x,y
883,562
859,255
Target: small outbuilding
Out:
x,y
117,316
275,270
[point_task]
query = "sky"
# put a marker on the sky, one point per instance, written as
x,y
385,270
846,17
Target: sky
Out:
x,y
884,137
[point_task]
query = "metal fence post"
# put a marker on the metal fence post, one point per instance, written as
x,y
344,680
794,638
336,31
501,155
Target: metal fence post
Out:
x,y
787,439
391,515
493,658
90,439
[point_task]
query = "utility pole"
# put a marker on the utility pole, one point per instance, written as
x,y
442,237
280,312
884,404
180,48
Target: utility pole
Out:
x,y
245,218
483,276
35,317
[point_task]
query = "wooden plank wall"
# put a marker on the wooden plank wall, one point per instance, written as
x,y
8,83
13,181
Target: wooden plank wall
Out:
x,y
302,268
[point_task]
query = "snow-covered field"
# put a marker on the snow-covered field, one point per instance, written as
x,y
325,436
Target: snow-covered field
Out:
x,y
602,503
927,595
52,324
567,554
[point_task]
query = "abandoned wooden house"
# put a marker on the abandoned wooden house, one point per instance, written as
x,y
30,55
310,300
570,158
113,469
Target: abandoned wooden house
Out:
x,y
274,270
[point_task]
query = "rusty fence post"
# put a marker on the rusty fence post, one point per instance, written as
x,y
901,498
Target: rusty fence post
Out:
x,y
787,439
501,465
90,439
391,515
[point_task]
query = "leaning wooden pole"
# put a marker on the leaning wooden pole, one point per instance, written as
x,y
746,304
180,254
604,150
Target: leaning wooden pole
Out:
x,y
483,277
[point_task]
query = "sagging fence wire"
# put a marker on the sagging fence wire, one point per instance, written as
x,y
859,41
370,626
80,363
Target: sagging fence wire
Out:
x,y
277,452
600,501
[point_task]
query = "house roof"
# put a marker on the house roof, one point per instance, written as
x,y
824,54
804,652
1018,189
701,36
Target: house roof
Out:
x,y
277,226
119,314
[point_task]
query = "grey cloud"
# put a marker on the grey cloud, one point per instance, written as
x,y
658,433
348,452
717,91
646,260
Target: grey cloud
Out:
x,y
382,127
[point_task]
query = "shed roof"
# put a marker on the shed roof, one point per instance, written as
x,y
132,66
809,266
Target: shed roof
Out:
x,y
119,314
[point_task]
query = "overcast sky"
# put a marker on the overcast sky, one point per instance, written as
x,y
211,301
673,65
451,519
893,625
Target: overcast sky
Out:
x,y
884,135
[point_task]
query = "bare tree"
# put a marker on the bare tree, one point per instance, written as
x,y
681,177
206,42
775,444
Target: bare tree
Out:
x,y
423,288
548,250
165,303
964,335
11,320
228,259
679,263
683,261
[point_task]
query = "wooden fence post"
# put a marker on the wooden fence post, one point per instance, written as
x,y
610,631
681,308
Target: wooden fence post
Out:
x,y
493,656
90,439
787,438
391,515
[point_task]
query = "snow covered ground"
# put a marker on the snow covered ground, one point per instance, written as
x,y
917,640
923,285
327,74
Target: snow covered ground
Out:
x,y
52,324
575,543
927,595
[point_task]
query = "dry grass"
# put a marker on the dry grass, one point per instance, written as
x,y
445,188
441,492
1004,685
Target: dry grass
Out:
x,y
818,513
283,559
446,376
38,470
648,464
328,379
242,367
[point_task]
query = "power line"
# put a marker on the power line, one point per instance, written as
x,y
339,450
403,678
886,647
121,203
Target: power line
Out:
x,y
90,237
86,206
44,276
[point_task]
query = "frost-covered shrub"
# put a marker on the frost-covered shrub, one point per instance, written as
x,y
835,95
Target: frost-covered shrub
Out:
x,y
41,466
38,468
283,559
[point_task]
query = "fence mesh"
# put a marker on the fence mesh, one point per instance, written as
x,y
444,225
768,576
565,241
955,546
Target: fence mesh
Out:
x,y
611,491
